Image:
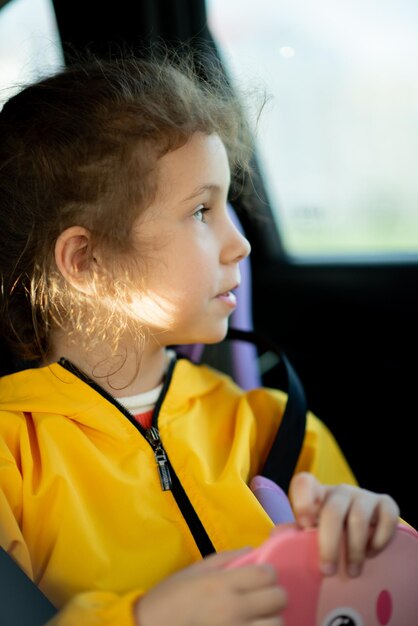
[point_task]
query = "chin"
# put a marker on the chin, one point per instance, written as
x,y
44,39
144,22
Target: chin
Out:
x,y
217,335
210,335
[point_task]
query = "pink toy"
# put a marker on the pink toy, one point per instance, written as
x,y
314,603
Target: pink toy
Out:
x,y
386,593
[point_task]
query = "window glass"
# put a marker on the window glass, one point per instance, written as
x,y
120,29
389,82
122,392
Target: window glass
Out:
x,y
338,139
29,44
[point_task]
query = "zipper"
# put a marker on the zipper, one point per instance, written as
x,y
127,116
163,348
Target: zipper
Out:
x,y
152,435
168,477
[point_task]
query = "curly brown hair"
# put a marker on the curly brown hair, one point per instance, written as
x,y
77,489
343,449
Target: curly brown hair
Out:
x,y
80,148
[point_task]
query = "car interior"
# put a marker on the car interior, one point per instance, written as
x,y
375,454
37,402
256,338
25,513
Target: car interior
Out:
x,y
339,300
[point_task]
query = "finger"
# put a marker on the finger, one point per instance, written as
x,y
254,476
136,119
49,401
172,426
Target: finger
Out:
x,y
386,520
268,621
360,523
306,495
267,602
252,577
331,526
212,563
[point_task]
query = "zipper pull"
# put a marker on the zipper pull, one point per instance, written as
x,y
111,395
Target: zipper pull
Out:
x,y
153,438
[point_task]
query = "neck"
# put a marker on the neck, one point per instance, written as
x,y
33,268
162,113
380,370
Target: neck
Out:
x,y
130,370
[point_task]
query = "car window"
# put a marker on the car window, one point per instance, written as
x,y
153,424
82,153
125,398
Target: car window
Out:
x,y
29,44
338,138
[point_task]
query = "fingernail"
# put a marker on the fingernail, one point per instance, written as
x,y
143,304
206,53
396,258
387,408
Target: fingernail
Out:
x,y
353,570
328,568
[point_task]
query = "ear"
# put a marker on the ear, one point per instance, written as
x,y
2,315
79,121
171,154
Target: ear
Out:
x,y
73,256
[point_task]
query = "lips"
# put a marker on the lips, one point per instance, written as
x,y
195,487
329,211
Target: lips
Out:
x,y
228,291
228,297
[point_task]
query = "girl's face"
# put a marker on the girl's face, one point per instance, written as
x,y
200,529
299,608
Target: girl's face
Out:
x,y
186,293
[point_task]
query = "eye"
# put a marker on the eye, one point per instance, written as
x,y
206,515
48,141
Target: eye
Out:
x,y
343,616
199,214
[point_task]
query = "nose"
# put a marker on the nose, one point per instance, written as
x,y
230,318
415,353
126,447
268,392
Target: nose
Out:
x,y
245,247
237,246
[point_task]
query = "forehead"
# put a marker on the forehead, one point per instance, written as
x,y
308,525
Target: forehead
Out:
x,y
201,162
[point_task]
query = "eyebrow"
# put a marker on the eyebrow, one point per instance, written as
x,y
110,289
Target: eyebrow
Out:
x,y
200,190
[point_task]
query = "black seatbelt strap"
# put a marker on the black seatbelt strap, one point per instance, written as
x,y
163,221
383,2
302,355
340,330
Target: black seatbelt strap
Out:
x,y
22,603
284,453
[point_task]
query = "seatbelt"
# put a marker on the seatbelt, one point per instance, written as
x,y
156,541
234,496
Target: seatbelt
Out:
x,y
284,453
22,603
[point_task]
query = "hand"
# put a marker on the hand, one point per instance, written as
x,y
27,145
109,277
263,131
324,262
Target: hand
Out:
x,y
206,593
368,519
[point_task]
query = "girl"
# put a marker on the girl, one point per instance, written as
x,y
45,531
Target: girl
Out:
x,y
122,467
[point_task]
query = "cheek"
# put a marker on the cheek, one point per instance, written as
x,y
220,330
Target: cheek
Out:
x,y
153,310
178,282
384,607
170,296
188,274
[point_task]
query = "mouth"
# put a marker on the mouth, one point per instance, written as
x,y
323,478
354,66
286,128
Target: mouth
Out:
x,y
229,297
228,291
